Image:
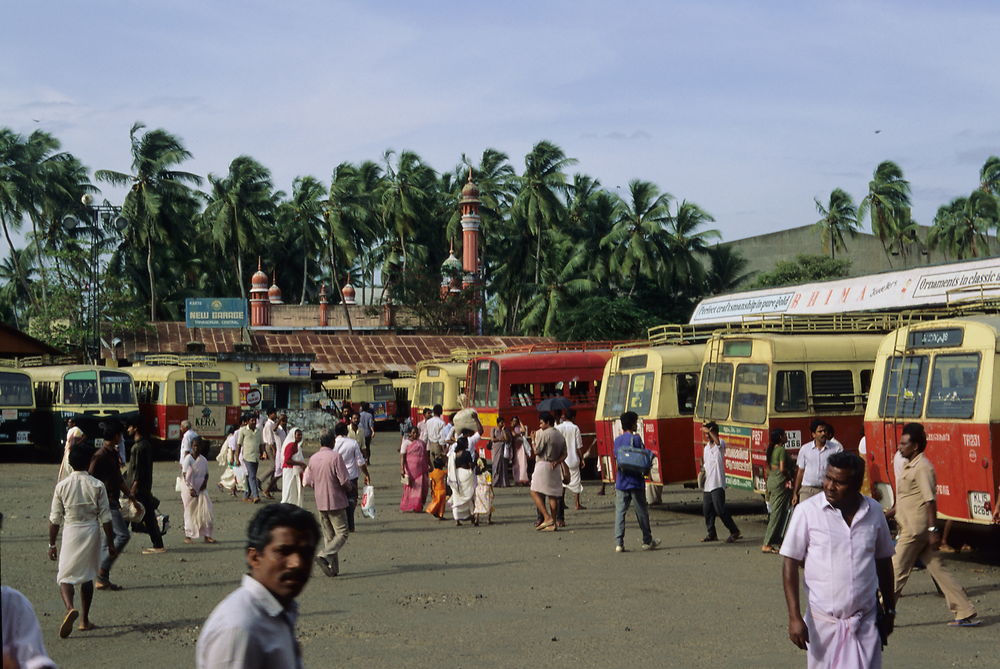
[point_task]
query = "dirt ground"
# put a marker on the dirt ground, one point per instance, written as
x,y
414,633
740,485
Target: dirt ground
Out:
x,y
416,592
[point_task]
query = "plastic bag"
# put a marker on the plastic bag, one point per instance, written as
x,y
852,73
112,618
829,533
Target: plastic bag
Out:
x,y
367,502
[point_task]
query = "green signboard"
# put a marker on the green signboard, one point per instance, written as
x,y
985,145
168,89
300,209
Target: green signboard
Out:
x,y
215,312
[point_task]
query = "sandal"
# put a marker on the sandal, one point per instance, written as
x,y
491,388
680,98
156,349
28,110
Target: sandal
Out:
x,y
733,538
767,549
67,624
210,540
545,525
708,539
107,585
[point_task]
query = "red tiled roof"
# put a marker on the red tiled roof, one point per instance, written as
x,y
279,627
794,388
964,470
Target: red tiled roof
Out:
x,y
335,353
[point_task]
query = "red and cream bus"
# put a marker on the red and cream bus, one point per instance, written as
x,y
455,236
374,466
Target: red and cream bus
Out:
x,y
944,374
513,383
168,394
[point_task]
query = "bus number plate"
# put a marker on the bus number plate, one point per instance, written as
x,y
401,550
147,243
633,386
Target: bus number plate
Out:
x,y
794,438
23,438
978,506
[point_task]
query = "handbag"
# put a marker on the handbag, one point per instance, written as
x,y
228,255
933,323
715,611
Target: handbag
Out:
x,y
179,485
634,459
132,512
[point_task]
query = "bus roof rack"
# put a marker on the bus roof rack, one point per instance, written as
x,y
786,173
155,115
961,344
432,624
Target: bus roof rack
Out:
x,y
172,360
39,361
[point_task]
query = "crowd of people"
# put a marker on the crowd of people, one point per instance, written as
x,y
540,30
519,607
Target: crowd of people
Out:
x,y
819,520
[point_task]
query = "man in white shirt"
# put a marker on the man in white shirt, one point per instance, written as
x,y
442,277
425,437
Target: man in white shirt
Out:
x,y
268,478
435,425
713,463
255,625
574,454
187,436
812,461
842,541
354,460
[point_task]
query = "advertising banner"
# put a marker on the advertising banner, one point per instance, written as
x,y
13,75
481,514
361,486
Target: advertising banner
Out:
x,y
903,289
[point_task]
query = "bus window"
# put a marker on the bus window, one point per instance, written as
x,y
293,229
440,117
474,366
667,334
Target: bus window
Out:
x,y
552,389
81,388
493,392
790,390
953,386
480,381
384,392
716,390
614,396
866,385
687,390
433,372
218,392
833,390
640,393
579,390
15,390
522,394
750,393
905,381
116,388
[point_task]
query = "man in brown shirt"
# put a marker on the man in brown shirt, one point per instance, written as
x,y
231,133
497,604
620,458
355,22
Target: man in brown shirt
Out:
x,y
105,467
546,481
919,537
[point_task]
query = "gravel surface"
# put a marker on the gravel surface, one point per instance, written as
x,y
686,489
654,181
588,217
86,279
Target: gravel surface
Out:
x,y
417,592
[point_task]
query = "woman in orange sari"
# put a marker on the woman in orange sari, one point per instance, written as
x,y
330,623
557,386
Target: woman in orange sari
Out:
x,y
413,472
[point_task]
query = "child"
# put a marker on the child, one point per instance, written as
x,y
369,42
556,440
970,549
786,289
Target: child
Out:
x,y
484,493
439,489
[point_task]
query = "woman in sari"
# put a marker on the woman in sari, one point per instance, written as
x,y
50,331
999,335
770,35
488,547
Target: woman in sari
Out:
x,y
462,480
778,493
500,445
413,462
520,449
293,464
484,494
198,519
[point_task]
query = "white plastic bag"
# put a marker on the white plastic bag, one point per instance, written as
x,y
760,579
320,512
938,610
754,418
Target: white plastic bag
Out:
x,y
367,502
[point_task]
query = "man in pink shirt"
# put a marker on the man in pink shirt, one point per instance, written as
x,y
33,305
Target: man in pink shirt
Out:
x,y
327,475
841,541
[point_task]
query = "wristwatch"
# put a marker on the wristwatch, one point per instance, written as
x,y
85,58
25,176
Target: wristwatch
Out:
x,y
932,529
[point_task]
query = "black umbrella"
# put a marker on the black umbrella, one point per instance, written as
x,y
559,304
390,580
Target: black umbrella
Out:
x,y
554,404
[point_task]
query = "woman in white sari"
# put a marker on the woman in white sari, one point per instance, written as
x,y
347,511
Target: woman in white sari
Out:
x,y
198,517
462,479
293,463
228,481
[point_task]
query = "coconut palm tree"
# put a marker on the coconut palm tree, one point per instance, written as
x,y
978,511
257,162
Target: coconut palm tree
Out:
x,y
887,200
157,193
538,202
686,244
638,237
726,269
989,176
839,216
563,277
961,226
303,215
405,200
242,207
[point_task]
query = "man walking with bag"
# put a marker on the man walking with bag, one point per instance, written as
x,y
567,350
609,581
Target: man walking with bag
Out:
x,y
630,486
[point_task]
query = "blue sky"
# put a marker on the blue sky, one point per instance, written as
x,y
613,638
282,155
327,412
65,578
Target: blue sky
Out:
x,y
750,109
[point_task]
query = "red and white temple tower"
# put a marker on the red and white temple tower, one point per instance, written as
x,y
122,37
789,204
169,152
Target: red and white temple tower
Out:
x,y
471,278
260,307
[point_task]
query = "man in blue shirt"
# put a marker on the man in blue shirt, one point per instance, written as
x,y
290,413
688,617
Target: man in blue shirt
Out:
x,y
631,488
367,425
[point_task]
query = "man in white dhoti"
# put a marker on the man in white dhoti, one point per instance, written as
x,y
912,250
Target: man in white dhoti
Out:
x,y
842,539
80,504
574,455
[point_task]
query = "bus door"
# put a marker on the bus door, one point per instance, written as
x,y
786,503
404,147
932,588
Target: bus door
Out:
x,y
206,398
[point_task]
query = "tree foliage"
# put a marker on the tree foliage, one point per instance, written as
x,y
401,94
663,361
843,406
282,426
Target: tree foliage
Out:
x,y
803,269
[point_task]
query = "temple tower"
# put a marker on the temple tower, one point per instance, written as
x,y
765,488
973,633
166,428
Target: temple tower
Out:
x,y
471,277
260,308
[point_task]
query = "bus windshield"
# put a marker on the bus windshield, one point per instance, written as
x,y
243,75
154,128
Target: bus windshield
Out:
x,y
116,388
716,390
384,392
640,393
431,393
750,395
614,395
80,388
15,390
953,386
905,383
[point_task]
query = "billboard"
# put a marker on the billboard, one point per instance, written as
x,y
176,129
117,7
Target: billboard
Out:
x,y
901,289
215,312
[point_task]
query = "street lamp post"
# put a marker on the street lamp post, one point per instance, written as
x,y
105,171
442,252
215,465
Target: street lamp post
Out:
x,y
103,217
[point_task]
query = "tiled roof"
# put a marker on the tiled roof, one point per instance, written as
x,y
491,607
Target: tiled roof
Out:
x,y
335,353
